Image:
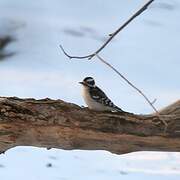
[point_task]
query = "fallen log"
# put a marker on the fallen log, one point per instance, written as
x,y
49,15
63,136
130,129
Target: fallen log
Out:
x,y
58,124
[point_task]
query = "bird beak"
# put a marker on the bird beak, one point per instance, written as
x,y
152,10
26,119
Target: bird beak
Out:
x,y
82,83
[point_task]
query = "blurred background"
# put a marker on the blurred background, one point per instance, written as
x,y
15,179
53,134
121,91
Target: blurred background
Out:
x,y
32,65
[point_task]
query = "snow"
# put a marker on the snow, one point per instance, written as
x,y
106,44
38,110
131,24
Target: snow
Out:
x,y
147,52
37,163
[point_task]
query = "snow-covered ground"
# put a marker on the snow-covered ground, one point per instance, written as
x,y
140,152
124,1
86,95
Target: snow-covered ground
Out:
x,y
34,164
147,52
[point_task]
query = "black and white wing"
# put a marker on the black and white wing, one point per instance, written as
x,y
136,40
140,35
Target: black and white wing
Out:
x,y
99,96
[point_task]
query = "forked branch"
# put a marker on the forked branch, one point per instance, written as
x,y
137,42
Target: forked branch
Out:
x,y
131,84
112,35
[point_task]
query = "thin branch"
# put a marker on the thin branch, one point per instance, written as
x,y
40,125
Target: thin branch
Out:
x,y
73,57
112,35
153,102
137,89
132,85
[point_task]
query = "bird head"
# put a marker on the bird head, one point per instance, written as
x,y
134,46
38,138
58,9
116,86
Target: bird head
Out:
x,y
88,81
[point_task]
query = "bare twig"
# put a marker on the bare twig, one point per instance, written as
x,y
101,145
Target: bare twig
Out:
x,y
137,89
112,35
153,102
73,57
132,85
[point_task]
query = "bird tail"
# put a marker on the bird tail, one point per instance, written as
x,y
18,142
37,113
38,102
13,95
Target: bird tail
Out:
x,y
116,108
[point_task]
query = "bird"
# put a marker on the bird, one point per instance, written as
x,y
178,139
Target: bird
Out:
x,y
95,98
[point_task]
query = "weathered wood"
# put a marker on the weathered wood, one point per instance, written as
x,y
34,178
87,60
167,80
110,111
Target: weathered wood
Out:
x,y
55,123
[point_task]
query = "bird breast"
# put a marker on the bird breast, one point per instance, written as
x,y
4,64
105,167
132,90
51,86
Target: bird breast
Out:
x,y
91,103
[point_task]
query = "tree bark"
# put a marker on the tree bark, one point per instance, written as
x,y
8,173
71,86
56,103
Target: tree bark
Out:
x,y
58,124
